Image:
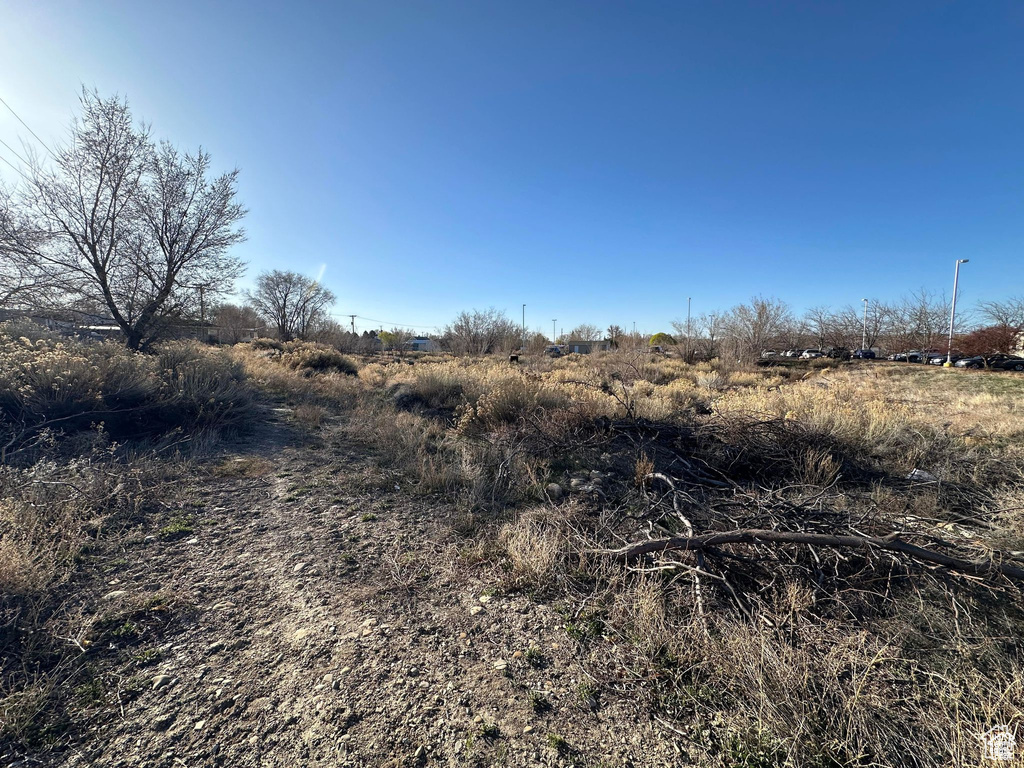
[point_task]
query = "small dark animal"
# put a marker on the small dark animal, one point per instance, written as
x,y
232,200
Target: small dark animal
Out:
x,y
513,358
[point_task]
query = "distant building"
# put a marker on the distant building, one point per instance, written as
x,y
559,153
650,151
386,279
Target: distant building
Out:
x,y
581,347
97,327
67,322
422,344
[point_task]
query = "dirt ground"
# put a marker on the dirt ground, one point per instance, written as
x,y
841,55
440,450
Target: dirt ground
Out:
x,y
309,611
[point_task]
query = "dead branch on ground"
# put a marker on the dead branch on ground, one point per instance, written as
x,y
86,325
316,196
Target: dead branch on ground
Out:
x,y
890,543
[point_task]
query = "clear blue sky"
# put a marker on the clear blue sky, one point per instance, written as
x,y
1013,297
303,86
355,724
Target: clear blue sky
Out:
x,y
598,161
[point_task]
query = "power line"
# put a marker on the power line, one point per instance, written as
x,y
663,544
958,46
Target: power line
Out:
x,y
26,126
382,322
16,168
14,151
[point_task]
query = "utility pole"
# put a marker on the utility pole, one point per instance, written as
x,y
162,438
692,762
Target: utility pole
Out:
x,y
554,337
202,310
201,287
864,334
352,319
952,312
688,300
524,327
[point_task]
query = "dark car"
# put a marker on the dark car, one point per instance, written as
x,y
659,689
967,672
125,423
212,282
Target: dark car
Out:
x,y
1009,364
838,353
941,359
982,361
913,356
975,361
864,354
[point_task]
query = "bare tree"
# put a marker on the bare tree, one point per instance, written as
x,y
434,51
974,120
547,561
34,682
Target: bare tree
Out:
x,y
1008,313
846,327
115,221
479,332
396,339
16,281
755,326
919,321
293,304
235,323
585,332
820,323
710,326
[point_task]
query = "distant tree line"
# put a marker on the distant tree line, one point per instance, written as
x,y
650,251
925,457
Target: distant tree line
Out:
x,y
919,320
130,230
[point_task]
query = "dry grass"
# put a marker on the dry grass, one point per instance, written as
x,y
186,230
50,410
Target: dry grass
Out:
x,y
65,386
90,435
790,656
533,544
243,466
51,514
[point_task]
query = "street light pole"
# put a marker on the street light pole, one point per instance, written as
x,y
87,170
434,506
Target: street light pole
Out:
x,y
688,300
524,327
554,336
864,334
952,311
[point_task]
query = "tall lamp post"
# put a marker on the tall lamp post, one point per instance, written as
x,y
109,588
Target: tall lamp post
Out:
x,y
864,333
688,300
952,312
524,327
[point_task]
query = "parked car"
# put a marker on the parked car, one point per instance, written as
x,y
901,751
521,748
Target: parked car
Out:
x,y
810,354
913,356
769,353
975,361
983,361
838,353
1009,364
941,359
934,358
864,354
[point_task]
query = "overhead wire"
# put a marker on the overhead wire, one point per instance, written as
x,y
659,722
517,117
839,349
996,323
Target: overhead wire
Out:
x,y
383,322
18,117
14,152
16,169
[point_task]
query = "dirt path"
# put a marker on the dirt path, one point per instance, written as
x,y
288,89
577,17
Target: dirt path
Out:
x,y
325,617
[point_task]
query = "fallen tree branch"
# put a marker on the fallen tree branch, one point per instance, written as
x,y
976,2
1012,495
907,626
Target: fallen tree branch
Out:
x,y
890,543
697,590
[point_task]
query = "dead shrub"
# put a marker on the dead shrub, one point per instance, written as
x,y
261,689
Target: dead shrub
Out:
x,y
643,467
309,358
310,415
243,466
50,514
711,381
532,544
69,386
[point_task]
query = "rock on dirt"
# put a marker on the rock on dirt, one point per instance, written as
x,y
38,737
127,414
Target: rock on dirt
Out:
x,y
161,681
